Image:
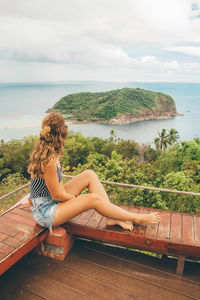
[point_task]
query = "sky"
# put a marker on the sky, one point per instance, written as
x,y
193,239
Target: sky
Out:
x,y
100,40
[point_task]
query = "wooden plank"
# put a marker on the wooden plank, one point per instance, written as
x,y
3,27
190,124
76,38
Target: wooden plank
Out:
x,y
2,256
3,236
188,229
14,256
25,206
124,238
6,229
176,228
11,241
164,226
40,280
102,224
6,249
197,230
22,212
11,291
133,277
151,229
16,225
20,219
140,230
94,220
85,217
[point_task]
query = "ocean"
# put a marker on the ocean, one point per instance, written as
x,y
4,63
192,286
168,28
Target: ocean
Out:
x,y
23,106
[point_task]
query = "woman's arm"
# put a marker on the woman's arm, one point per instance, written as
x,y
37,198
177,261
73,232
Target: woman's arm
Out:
x,y
55,187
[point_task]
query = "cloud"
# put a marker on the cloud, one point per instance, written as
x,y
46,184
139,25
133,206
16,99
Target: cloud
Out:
x,y
89,37
195,51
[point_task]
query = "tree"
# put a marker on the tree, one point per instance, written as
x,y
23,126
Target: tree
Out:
x,y
161,142
166,138
112,136
173,136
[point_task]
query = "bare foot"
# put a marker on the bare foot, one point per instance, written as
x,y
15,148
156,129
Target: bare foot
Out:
x,y
125,225
153,218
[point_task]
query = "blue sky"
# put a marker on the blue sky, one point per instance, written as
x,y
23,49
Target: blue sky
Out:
x,y
105,40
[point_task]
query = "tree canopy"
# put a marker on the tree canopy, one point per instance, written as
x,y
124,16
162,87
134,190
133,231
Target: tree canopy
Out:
x,y
105,106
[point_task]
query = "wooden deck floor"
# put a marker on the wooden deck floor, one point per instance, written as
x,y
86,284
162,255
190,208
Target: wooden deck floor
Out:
x,y
97,272
176,233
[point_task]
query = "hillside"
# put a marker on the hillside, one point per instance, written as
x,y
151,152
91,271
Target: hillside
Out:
x,y
120,106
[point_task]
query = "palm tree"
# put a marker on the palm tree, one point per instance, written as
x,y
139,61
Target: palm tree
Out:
x,y
173,136
161,142
112,136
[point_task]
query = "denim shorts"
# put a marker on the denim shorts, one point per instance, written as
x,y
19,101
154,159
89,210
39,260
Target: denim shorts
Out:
x,y
43,211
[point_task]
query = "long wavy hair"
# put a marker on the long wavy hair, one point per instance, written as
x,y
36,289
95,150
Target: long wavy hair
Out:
x,y
50,143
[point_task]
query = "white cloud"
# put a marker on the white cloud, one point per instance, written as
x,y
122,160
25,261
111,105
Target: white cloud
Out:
x,y
195,51
86,38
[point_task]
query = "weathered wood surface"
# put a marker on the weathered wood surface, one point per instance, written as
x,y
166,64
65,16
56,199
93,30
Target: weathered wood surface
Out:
x,y
176,233
19,234
95,271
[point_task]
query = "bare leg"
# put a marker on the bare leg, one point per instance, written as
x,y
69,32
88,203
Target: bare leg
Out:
x,y
89,179
68,209
114,214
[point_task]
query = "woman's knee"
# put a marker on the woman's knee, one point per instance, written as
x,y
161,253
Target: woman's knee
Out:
x,y
90,174
95,199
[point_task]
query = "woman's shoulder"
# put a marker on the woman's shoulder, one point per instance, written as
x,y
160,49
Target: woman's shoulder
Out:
x,y
51,164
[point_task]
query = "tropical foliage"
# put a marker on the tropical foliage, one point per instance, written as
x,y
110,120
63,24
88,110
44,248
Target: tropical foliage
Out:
x,y
105,106
166,138
178,167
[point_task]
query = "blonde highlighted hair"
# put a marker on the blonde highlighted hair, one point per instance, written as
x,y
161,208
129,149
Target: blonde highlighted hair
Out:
x,y
50,143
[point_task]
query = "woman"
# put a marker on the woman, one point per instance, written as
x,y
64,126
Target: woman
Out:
x,y
54,203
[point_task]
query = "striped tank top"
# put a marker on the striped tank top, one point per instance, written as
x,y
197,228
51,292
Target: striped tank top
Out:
x,y
38,186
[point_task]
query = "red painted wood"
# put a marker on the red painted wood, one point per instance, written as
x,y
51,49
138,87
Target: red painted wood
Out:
x,y
164,226
6,229
134,209
3,236
13,242
2,256
6,248
21,212
151,229
197,229
176,228
10,260
188,229
21,219
140,230
4,220
25,206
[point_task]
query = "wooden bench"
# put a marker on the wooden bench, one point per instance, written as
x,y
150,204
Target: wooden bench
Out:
x,y
177,234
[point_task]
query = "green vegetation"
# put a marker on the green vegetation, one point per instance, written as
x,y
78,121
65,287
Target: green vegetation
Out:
x,y
105,106
165,138
178,167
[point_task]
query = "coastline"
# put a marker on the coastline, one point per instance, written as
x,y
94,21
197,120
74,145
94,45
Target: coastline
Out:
x,y
122,120
127,119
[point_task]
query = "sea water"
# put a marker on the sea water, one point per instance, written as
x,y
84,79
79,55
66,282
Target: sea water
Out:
x,y
23,106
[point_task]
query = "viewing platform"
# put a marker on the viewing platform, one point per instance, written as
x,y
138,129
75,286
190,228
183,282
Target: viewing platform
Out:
x,y
176,237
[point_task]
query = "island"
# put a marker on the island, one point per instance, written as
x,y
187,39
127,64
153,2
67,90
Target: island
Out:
x,y
121,106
